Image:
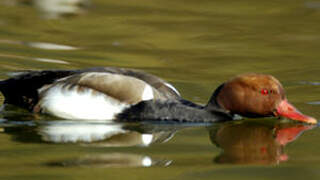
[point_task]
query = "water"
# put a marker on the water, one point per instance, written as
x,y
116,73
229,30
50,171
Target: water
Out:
x,y
195,45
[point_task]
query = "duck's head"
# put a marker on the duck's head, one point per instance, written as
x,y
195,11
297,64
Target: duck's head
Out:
x,y
256,95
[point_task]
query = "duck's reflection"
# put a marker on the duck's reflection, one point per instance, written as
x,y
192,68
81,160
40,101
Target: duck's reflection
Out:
x,y
254,142
90,133
111,160
102,134
94,134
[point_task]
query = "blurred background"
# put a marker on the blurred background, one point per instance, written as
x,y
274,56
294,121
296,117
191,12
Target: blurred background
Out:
x,y
195,45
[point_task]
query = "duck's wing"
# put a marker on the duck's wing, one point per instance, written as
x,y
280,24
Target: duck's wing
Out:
x,y
93,95
163,87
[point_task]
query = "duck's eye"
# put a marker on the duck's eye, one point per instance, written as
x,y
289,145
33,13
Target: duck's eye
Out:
x,y
265,92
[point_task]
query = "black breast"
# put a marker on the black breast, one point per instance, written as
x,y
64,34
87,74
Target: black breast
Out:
x,y
169,110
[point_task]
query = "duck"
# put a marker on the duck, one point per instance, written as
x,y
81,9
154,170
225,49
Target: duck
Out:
x,y
113,93
94,93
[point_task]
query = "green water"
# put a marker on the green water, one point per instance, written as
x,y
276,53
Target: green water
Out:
x,y
195,45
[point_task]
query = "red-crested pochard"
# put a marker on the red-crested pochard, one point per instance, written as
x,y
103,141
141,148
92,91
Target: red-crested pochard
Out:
x,y
116,93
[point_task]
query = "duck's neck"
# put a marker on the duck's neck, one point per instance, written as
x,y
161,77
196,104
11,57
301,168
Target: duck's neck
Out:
x,y
213,104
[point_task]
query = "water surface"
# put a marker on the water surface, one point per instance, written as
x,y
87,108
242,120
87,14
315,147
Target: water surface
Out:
x,y
195,45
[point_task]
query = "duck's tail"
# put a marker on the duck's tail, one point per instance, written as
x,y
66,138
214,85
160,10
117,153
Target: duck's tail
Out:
x,y
8,89
22,90
4,92
2,86
1,83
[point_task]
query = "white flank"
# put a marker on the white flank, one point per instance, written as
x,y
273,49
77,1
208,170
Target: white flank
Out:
x,y
147,139
147,93
66,132
87,104
171,87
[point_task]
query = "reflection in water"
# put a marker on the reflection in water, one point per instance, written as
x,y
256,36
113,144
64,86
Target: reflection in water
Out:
x,y
101,134
90,133
111,160
312,5
94,134
243,142
49,46
47,60
64,132
39,45
52,9
51,60
254,142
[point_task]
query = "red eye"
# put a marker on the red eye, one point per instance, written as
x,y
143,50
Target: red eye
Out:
x,y
264,91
